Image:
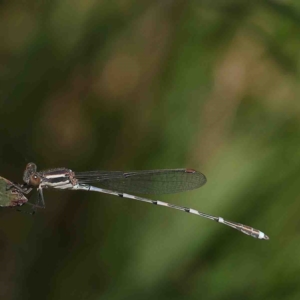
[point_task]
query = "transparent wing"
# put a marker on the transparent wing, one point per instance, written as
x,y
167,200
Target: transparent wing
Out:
x,y
145,182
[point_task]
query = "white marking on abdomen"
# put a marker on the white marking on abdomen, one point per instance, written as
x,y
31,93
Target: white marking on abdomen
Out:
x,y
128,196
194,211
162,203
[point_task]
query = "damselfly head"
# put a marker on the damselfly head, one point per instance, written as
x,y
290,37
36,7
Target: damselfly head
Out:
x,y
29,170
34,180
31,167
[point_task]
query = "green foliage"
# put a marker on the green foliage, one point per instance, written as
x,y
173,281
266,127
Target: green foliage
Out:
x,y
120,85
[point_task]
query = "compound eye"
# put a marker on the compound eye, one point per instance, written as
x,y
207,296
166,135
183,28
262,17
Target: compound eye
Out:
x,y
34,180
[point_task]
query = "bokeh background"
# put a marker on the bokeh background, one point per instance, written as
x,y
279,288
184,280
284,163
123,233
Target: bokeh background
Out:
x,y
132,85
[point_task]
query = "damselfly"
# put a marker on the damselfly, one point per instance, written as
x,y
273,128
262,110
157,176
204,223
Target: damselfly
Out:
x,y
122,183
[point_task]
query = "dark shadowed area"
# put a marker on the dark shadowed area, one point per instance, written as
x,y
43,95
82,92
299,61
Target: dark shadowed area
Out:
x,y
133,85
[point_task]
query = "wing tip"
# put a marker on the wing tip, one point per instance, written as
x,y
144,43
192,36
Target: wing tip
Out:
x,y
202,177
190,171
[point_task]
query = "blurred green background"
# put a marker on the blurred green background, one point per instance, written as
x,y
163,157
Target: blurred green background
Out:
x,y
132,85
